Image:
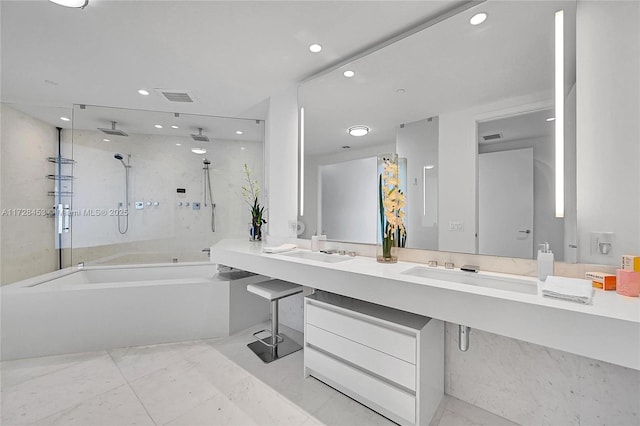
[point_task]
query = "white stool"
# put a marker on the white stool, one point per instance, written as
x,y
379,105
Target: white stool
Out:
x,y
277,345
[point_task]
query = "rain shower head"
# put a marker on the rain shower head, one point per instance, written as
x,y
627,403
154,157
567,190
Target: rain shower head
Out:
x,y
200,137
113,131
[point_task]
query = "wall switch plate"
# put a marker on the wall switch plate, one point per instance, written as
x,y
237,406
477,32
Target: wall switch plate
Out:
x,y
456,226
196,205
139,205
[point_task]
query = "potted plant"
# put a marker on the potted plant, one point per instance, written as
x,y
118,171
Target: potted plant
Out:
x,y
250,193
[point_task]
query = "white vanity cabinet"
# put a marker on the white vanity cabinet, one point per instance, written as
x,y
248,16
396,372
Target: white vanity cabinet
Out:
x,y
389,360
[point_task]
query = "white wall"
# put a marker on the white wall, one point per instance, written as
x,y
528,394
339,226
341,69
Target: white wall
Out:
x,y
158,168
27,239
608,107
281,156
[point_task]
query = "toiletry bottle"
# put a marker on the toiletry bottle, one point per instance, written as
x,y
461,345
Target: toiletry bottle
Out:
x,y
545,262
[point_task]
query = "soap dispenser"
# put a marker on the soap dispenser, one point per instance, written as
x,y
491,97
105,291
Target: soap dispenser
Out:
x,y
545,262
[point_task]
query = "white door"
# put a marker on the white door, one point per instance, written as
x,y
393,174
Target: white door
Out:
x,y
506,230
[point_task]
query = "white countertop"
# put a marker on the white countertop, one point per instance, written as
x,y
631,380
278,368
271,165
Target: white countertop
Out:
x,y
607,330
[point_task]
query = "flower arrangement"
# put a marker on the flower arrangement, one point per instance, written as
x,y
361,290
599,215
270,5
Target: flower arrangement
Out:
x,y
250,193
391,202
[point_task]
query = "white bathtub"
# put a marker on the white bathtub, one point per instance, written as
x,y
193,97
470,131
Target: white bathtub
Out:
x,y
96,308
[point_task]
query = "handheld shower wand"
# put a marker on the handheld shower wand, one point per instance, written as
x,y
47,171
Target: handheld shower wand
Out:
x,y
124,227
207,189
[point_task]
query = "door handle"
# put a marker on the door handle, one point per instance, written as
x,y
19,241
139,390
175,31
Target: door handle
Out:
x,y
525,231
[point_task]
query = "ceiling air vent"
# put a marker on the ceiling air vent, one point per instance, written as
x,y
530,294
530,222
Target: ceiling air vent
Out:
x,y
176,95
493,137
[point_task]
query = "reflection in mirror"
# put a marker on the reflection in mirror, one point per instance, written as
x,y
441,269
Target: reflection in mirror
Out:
x,y
516,155
423,97
157,186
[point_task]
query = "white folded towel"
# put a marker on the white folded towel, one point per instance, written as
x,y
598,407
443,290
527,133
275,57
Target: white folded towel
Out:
x,y
571,289
279,249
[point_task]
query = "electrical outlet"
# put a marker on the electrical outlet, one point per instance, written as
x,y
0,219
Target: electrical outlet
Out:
x,y
456,226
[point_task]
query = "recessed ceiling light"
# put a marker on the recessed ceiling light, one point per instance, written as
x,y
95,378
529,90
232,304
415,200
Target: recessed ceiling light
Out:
x,y
178,144
400,91
242,148
143,92
348,73
358,130
158,126
106,140
199,151
71,3
174,127
315,48
478,18
239,132
65,119
551,119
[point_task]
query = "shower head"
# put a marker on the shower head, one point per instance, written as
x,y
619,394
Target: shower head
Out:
x,y
113,131
200,137
118,156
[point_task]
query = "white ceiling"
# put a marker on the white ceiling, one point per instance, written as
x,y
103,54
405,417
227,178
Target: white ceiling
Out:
x,y
230,55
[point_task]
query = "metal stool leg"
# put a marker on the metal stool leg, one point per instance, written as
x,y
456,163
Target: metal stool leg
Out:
x,y
278,345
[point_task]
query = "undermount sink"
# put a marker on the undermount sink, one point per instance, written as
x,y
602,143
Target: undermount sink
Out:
x,y
318,257
477,279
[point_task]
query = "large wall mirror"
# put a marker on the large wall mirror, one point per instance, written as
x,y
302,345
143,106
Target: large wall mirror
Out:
x,y
472,109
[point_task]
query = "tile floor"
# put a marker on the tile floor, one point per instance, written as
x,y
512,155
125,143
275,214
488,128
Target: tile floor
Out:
x,y
206,382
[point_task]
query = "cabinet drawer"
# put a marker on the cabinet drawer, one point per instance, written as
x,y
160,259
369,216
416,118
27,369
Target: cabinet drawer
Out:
x,y
386,398
368,333
384,365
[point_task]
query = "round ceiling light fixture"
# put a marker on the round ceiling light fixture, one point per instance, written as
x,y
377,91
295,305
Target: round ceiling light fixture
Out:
x,y
199,151
348,73
65,119
106,140
478,18
239,132
143,92
358,130
158,126
174,127
315,48
550,119
71,3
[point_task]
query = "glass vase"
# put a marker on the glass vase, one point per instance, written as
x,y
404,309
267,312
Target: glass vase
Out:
x,y
391,203
255,232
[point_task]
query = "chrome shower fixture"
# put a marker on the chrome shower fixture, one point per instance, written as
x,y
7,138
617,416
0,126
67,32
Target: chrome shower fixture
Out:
x,y
200,137
113,131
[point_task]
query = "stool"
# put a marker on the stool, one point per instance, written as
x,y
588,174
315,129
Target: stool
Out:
x,y
277,345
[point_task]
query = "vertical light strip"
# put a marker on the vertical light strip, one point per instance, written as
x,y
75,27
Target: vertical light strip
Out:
x,y
559,101
301,161
424,191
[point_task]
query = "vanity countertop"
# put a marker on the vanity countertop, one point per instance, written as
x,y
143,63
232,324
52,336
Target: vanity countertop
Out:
x,y
608,329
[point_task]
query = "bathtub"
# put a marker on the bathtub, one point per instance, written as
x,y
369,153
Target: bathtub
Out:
x,y
104,307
